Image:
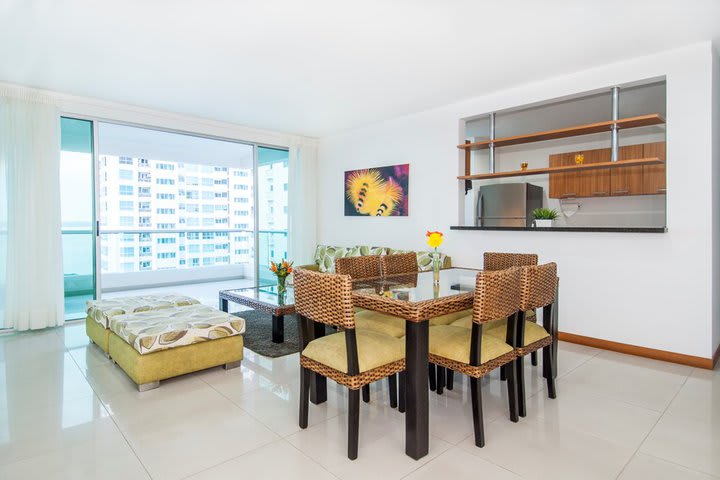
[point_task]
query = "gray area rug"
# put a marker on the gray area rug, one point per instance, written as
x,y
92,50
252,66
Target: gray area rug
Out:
x,y
258,334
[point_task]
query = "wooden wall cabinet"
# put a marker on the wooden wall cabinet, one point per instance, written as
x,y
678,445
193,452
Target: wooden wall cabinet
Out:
x,y
654,176
627,180
603,182
591,183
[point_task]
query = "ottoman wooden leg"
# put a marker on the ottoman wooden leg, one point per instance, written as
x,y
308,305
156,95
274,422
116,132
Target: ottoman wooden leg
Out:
x,y
231,365
148,386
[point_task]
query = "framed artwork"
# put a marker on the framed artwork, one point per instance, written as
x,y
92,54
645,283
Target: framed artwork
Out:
x,y
377,192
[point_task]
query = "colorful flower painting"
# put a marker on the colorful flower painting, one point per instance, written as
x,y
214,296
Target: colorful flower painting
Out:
x,y
377,192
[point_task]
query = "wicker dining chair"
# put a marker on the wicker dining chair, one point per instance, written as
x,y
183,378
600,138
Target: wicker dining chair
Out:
x,y
494,261
368,266
469,351
399,263
501,261
538,290
351,358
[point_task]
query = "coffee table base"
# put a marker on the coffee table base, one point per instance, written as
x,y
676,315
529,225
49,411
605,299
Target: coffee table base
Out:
x,y
278,328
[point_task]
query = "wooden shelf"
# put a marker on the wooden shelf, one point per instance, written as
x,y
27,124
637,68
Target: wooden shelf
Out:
x,y
566,168
630,122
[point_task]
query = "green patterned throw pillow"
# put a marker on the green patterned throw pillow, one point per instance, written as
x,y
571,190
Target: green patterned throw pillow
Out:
x,y
327,262
319,253
366,250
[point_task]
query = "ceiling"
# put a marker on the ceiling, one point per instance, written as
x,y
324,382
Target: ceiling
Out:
x,y
315,67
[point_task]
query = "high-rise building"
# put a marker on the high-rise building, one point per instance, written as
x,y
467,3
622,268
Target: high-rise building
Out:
x,y
207,211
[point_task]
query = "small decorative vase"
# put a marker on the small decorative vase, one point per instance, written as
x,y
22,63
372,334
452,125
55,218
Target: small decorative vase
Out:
x,y
436,269
281,285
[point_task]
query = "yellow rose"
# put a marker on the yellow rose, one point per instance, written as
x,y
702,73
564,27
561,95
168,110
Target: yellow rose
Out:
x,y
434,239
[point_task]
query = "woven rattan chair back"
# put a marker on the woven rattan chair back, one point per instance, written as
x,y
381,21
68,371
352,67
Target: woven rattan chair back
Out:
x,y
501,261
399,263
324,297
359,267
538,286
497,294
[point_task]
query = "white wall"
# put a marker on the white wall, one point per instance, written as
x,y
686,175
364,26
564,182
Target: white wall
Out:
x,y
716,198
652,290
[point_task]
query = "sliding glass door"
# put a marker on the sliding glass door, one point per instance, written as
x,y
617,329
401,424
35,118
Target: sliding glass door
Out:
x,y
76,204
174,210
272,192
156,211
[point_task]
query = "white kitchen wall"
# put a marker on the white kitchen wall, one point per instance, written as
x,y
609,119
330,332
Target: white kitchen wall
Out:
x,y
651,290
716,198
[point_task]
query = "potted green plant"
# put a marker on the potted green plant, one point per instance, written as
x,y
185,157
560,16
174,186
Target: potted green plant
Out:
x,y
544,217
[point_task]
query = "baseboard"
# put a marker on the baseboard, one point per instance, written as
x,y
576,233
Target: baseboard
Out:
x,y
665,356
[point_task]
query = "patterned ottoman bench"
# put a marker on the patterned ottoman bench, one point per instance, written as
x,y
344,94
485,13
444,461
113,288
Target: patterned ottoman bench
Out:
x,y
154,345
99,312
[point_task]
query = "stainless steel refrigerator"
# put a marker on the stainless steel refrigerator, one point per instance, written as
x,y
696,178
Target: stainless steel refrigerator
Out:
x,y
507,204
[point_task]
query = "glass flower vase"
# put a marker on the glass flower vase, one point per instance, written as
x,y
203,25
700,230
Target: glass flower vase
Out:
x,y
436,269
281,288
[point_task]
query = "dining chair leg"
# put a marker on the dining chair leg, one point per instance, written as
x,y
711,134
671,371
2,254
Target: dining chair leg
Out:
x,y
366,393
450,379
477,411
533,358
519,365
503,373
353,423
304,396
512,394
392,386
431,375
402,392
549,372
440,379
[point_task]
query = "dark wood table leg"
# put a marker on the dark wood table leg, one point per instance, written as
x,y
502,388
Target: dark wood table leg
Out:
x,y
318,383
223,305
278,329
417,434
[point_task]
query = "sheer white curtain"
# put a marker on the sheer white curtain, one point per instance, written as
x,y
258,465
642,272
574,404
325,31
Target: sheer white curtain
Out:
x,y
302,202
30,199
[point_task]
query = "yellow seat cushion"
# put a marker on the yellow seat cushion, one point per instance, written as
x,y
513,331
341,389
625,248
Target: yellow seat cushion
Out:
x,y
369,320
466,321
533,333
374,350
454,343
450,317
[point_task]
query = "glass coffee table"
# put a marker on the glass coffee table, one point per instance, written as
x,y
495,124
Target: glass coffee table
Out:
x,y
264,299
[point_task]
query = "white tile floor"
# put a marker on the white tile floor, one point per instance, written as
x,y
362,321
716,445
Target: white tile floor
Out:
x,y
68,412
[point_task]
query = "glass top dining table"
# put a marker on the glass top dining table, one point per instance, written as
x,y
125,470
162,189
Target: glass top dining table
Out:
x,y
418,287
415,298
